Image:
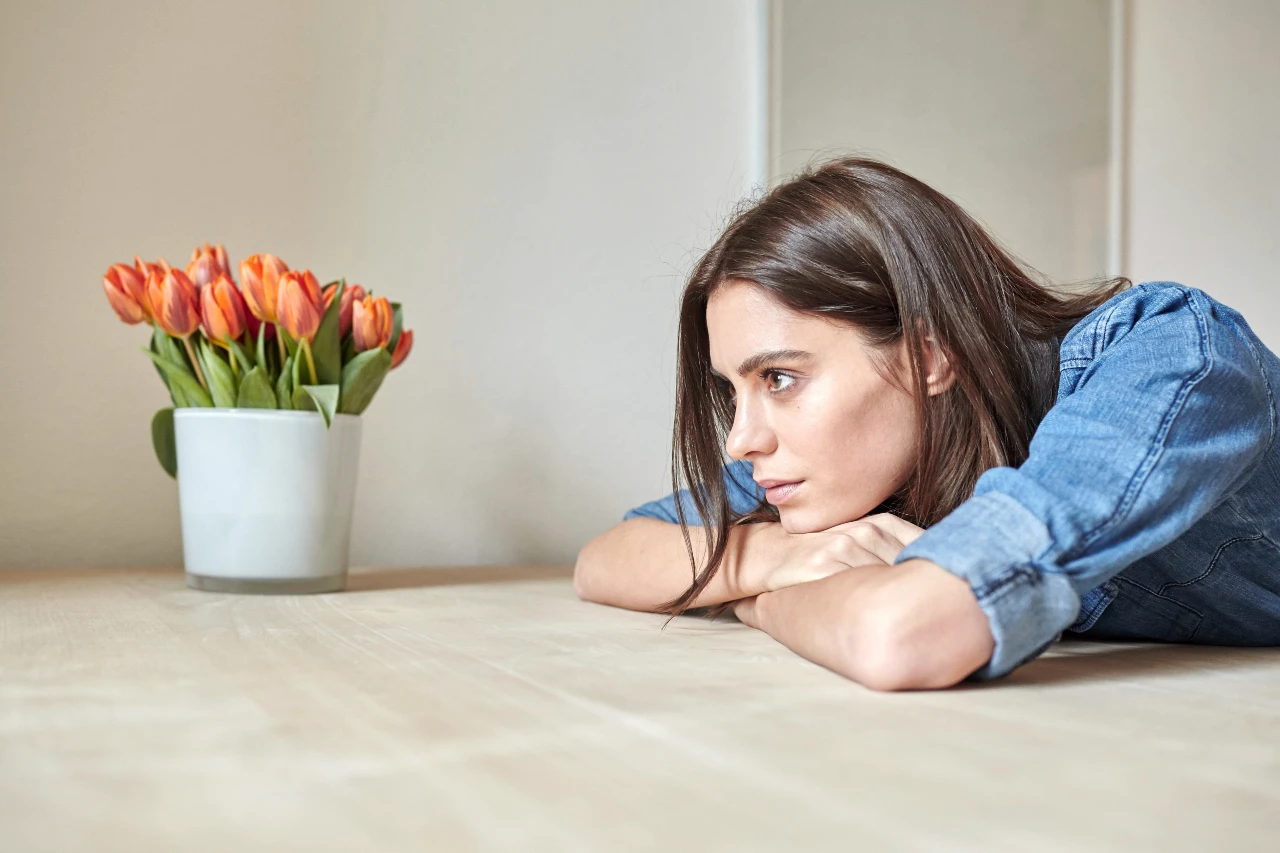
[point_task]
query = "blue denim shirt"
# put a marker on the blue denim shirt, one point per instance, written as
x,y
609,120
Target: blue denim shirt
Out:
x,y
1154,479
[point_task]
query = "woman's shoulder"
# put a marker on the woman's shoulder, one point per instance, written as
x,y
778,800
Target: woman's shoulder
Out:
x,y
1167,309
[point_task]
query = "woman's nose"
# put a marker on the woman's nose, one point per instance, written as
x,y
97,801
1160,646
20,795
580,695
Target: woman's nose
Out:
x,y
749,434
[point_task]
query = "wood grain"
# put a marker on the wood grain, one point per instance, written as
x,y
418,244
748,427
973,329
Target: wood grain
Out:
x,y
489,709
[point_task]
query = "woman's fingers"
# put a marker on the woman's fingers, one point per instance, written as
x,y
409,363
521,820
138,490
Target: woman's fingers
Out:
x,y
899,528
860,540
874,540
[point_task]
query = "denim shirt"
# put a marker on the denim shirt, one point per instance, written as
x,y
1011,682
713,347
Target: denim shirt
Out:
x,y
1152,484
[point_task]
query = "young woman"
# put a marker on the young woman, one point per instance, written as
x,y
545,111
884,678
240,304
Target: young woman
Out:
x,y
1101,461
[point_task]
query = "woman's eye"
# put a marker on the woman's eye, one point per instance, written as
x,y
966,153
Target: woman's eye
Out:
x,y
787,381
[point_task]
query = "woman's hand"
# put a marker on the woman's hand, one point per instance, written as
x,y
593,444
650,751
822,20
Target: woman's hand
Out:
x,y
873,540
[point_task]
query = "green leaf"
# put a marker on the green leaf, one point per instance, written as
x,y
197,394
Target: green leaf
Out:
x,y
167,347
196,395
295,377
326,349
284,385
175,393
397,325
222,383
290,345
302,401
246,363
324,398
157,335
348,349
162,439
255,391
262,347
361,378
173,350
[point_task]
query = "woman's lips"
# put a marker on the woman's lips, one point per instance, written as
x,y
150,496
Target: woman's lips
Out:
x,y
781,493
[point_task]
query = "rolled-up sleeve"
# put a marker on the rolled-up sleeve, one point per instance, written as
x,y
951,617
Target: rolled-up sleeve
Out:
x,y
744,495
1163,411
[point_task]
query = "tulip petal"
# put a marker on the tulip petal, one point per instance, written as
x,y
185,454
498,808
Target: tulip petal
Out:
x,y
401,351
126,308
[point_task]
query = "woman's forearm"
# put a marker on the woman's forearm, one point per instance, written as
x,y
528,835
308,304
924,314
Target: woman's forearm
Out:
x,y
906,627
642,563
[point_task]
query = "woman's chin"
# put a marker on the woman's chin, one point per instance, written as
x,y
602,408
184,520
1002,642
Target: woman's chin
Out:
x,y
797,519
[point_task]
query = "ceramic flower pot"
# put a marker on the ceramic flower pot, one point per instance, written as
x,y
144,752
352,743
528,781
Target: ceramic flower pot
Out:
x,y
266,498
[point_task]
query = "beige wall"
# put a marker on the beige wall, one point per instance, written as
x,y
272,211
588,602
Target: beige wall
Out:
x,y
1203,189
531,180
1002,104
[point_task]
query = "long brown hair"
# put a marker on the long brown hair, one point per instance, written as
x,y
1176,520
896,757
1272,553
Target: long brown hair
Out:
x,y
862,242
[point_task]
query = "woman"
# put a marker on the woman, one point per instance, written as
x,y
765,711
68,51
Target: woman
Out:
x,y
1101,462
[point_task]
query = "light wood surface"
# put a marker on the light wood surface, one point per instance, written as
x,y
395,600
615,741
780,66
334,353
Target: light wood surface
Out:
x,y
489,709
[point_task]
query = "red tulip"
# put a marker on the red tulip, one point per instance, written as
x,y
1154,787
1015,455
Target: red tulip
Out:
x,y
260,278
126,291
206,264
253,324
300,305
402,348
222,311
174,302
372,321
350,293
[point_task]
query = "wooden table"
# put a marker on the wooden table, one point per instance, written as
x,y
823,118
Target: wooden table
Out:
x,y
489,709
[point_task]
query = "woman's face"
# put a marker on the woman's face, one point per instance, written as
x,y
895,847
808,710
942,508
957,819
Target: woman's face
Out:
x,y
811,410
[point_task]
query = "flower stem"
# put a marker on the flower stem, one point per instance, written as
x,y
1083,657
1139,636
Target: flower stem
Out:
x,y
280,344
311,362
195,362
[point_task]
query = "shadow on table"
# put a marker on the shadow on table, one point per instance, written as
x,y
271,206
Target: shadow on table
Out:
x,y
1075,661
371,579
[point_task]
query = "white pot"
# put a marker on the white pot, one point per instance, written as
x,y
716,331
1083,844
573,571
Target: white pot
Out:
x,y
266,498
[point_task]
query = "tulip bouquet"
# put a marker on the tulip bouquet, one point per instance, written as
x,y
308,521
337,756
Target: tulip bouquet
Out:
x,y
279,341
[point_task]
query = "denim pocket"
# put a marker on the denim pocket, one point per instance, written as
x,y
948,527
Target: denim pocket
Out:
x,y
1137,613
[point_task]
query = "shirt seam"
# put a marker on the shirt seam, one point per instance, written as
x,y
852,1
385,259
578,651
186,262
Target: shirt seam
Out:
x,y
1139,477
1266,383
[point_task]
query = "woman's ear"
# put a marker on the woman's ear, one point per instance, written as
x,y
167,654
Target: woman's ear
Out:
x,y
939,374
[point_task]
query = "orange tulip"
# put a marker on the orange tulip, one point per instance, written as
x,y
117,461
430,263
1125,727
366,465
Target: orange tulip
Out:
x,y
260,278
174,302
402,348
206,264
126,291
372,321
300,305
350,293
222,311
144,268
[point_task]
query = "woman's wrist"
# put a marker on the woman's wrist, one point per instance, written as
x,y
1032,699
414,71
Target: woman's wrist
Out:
x,y
761,548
